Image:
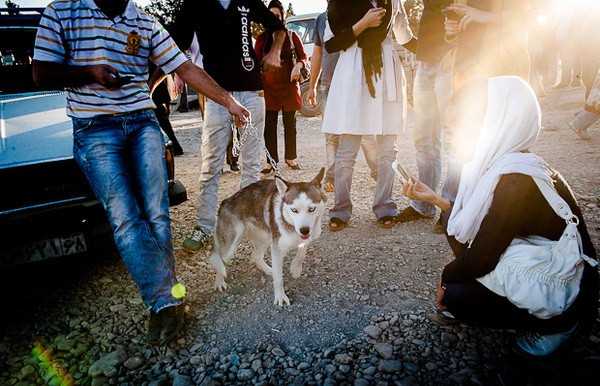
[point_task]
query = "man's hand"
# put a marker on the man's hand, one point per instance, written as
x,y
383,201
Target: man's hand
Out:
x,y
312,96
451,27
241,116
106,76
179,84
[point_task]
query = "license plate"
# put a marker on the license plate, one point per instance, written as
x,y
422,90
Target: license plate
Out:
x,y
56,247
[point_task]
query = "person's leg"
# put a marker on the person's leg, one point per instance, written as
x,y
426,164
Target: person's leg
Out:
x,y
162,114
344,167
215,137
289,127
427,132
104,154
383,204
150,176
253,150
331,145
271,134
369,149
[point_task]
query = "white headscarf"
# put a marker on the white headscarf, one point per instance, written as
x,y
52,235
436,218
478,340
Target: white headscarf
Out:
x,y
512,124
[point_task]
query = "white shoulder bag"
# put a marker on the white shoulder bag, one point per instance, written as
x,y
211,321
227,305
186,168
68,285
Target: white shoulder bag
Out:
x,y
540,275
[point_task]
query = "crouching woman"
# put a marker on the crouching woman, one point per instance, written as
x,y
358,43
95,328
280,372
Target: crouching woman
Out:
x,y
524,258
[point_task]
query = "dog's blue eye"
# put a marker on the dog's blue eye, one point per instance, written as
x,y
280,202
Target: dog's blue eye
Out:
x,y
294,210
311,209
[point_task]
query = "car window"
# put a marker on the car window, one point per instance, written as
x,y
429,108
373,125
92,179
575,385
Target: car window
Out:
x,y
16,52
304,28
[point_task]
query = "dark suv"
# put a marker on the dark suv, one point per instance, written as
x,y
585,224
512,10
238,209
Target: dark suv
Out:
x,y
47,208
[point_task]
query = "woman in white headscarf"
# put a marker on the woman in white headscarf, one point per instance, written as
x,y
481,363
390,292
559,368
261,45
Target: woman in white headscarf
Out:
x,y
524,257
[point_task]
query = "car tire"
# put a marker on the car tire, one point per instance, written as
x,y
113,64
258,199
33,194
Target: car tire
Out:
x,y
307,109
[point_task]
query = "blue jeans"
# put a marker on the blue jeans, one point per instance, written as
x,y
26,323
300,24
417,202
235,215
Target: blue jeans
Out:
x,y
432,92
123,158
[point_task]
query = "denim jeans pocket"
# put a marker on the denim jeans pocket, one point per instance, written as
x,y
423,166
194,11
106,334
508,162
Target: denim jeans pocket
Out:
x,y
82,124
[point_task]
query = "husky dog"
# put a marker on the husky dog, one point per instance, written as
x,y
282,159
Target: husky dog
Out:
x,y
272,213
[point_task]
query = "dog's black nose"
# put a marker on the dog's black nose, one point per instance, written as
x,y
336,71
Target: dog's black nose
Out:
x,y
305,230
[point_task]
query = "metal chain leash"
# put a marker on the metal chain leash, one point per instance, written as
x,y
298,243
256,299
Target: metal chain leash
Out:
x,y
238,142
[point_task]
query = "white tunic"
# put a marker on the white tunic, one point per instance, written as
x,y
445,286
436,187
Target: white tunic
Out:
x,y
350,108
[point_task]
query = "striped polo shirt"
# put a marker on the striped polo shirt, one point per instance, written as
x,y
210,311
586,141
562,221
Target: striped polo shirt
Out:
x,y
78,33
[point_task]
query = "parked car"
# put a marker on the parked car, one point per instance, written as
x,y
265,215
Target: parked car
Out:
x,y
305,26
47,209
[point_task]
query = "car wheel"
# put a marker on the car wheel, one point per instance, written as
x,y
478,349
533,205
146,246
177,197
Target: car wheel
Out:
x,y
307,109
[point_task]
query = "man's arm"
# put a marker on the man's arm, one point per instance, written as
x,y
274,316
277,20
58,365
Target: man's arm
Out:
x,y
50,75
198,79
315,73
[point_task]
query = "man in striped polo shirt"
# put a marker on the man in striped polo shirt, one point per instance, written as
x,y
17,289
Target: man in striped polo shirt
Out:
x,y
99,50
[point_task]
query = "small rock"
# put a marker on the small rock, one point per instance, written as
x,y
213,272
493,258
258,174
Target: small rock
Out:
x,y
373,331
385,350
182,380
343,359
245,374
27,371
278,352
107,364
303,366
370,370
196,360
99,381
344,369
361,382
430,366
448,339
390,366
117,308
256,365
133,363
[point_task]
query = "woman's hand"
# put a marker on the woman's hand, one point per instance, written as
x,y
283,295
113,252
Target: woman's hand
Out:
x,y
471,15
372,19
416,190
439,297
296,75
451,27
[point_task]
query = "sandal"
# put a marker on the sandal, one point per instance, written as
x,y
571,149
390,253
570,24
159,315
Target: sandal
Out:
x,y
387,222
293,164
336,224
329,188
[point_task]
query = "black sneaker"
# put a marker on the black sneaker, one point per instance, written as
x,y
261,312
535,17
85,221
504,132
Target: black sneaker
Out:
x,y
410,214
166,325
234,168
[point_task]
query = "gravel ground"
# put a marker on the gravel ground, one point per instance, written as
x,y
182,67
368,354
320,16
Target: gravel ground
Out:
x,y
361,313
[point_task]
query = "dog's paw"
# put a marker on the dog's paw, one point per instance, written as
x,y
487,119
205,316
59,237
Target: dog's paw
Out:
x,y
296,269
281,299
220,284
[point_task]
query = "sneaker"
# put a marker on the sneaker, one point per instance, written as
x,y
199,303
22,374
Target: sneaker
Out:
x,y
166,325
329,187
197,240
234,168
539,345
409,214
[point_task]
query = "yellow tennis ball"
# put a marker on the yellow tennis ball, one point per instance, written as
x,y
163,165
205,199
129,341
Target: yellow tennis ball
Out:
x,y
178,291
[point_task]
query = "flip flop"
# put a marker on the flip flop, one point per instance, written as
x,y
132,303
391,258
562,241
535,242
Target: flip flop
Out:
x,y
387,222
336,225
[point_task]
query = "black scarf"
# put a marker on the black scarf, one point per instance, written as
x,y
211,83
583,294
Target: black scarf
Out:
x,y
343,14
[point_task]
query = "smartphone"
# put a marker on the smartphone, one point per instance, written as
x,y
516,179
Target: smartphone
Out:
x,y
400,171
123,80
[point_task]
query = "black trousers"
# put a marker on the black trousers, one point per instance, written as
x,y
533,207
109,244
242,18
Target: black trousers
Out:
x,y
473,303
162,114
289,130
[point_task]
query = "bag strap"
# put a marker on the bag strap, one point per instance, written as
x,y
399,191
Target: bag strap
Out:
x,y
562,209
293,47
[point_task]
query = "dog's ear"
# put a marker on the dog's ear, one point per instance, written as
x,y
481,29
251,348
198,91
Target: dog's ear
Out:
x,y
282,185
318,180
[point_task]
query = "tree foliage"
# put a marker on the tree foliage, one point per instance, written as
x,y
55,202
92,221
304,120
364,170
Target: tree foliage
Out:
x,y
165,11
